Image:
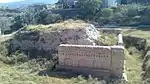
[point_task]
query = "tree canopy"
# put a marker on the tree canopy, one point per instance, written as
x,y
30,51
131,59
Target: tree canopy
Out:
x,y
90,6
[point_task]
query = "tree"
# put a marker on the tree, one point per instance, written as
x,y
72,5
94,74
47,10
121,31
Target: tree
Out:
x,y
52,18
17,23
64,3
90,6
140,1
107,12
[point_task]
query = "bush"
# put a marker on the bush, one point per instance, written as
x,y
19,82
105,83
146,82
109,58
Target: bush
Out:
x,y
13,58
18,57
41,64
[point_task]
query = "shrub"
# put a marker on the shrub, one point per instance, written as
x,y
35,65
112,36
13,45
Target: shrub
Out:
x,y
18,57
13,58
41,64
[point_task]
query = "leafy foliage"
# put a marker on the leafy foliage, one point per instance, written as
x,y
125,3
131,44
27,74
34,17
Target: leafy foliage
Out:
x,y
107,12
131,14
17,24
6,16
90,7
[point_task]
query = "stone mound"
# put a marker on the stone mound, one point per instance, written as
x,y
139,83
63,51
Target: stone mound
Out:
x,y
48,41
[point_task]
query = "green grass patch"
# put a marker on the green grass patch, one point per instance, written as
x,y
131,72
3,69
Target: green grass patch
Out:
x,y
69,24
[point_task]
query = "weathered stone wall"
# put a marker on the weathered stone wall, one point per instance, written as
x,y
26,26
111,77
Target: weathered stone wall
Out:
x,y
106,58
117,60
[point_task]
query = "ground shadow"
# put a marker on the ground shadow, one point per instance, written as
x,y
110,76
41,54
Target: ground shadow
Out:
x,y
65,74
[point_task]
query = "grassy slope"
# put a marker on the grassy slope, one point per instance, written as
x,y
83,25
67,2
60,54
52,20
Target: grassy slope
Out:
x,y
134,62
21,74
133,68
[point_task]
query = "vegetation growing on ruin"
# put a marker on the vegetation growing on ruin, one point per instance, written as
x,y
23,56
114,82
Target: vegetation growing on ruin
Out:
x,y
68,24
107,39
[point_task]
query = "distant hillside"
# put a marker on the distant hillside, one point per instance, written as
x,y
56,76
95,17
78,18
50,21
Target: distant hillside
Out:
x,y
26,3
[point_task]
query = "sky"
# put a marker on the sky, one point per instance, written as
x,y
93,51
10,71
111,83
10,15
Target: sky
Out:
x,y
7,1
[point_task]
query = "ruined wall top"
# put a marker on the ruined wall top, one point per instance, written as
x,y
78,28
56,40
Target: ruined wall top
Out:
x,y
91,46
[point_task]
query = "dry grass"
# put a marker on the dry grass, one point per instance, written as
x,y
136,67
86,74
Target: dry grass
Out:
x,y
69,24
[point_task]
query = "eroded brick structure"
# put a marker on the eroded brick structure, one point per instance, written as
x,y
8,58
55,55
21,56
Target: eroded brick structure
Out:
x,y
101,61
